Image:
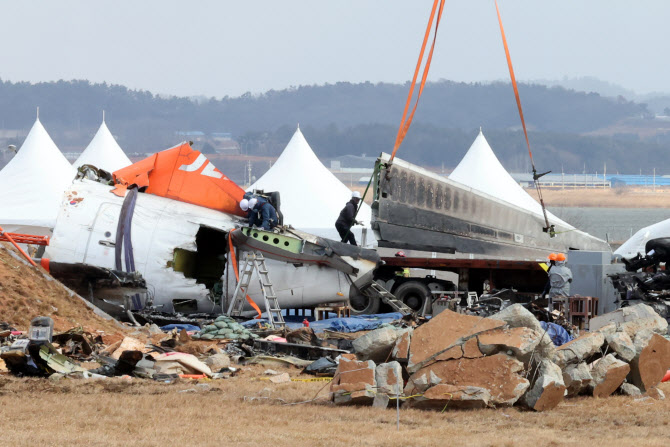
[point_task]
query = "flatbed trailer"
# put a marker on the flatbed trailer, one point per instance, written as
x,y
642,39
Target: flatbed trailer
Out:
x,y
524,276
474,275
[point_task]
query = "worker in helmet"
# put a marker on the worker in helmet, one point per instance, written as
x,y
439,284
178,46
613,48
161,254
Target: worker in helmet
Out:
x,y
346,220
560,278
552,262
260,213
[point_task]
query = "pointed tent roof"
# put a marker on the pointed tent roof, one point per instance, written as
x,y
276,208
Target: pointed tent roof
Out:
x,y
103,152
33,182
636,243
311,196
481,170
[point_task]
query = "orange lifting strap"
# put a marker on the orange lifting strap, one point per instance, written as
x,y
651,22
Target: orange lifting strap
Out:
x,y
405,123
536,177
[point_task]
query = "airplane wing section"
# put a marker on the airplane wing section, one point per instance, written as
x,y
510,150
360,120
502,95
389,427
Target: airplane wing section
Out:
x,y
180,173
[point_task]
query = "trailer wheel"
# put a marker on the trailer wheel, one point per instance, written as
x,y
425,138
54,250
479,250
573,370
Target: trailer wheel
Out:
x,y
362,304
413,294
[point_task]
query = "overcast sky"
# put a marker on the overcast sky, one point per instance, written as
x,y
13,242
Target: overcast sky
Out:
x,y
222,47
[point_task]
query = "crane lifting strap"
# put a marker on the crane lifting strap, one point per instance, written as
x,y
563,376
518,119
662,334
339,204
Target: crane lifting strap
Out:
x,y
407,120
536,177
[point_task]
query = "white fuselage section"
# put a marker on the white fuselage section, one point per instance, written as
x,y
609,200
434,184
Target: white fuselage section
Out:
x,y
86,229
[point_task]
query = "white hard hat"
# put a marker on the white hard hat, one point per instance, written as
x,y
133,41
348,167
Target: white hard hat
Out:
x,y
355,195
244,204
252,202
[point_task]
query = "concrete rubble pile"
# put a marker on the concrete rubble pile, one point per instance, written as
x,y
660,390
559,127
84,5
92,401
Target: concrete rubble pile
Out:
x,y
465,362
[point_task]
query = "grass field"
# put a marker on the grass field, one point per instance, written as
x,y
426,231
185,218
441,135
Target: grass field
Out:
x,y
244,411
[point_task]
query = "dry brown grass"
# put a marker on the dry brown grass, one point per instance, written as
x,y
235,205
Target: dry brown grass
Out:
x,y
118,413
25,293
625,197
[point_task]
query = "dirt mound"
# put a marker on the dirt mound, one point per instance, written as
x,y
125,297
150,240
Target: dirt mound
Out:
x,y
27,292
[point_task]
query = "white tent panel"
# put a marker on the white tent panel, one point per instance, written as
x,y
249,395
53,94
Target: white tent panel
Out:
x,y
636,243
481,170
32,184
103,152
311,196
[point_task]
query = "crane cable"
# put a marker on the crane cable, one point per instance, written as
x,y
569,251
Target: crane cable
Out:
x,y
406,121
536,177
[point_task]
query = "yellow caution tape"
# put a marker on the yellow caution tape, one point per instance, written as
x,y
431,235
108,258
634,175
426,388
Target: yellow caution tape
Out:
x,y
315,379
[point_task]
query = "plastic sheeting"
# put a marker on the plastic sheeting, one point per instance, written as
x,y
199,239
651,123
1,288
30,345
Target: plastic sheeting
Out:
x,y
350,324
637,242
557,333
32,184
103,152
311,196
481,170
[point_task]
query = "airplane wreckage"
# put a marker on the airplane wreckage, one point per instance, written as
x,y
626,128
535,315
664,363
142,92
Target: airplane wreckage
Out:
x,y
165,233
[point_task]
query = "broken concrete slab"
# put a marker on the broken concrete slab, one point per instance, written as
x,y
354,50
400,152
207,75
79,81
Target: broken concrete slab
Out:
x,y
420,383
389,378
624,315
381,400
579,349
622,345
656,393
521,342
577,378
655,324
401,349
548,388
608,375
518,316
651,362
442,332
451,396
354,381
378,344
500,374
628,389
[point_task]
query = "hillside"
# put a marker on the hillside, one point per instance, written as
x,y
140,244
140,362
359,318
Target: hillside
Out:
x,y
344,118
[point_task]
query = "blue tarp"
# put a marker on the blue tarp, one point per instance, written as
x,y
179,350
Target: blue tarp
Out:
x,y
557,334
180,326
351,324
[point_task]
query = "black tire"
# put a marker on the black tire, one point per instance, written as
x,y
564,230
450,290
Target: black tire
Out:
x,y
362,304
414,294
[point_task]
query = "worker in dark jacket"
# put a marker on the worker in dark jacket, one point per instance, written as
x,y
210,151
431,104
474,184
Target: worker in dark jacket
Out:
x,y
346,219
261,213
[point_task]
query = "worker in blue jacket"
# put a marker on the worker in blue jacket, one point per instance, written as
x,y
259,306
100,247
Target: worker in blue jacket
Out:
x,y
262,214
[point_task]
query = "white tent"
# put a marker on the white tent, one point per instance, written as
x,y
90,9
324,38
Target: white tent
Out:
x,y
311,196
32,184
636,243
481,170
103,152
